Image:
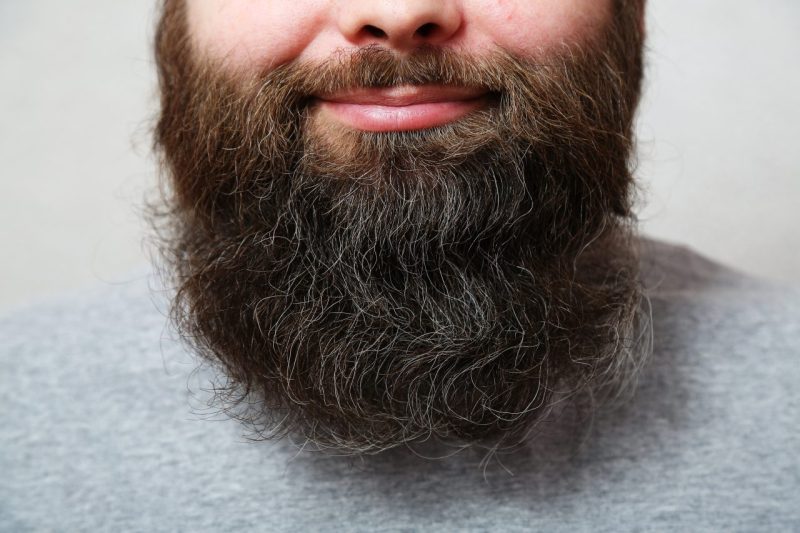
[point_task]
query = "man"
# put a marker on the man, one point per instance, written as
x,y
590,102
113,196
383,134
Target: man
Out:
x,y
400,235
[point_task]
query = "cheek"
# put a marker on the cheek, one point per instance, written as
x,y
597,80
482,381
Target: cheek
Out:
x,y
266,33
254,33
531,27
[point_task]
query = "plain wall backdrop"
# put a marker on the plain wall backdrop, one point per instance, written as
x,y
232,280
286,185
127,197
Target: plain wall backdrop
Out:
x,y
719,137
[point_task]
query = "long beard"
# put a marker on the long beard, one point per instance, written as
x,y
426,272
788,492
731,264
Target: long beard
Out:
x,y
366,290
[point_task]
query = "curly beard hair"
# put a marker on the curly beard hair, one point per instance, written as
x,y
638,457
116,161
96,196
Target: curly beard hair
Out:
x,y
365,290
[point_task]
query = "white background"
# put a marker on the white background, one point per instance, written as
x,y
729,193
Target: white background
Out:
x,y
719,135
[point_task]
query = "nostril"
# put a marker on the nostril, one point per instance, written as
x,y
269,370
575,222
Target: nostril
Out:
x,y
374,31
426,30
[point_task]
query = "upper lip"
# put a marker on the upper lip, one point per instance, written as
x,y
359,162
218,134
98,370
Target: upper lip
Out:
x,y
404,95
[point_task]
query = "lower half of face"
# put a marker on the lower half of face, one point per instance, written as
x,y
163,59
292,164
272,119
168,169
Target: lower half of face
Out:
x,y
375,276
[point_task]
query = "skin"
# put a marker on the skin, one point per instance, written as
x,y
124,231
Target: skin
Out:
x,y
267,33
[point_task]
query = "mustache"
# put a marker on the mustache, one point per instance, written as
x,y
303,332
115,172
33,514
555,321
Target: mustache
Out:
x,y
498,71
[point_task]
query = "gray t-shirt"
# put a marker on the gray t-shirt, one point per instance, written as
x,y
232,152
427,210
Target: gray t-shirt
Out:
x,y
104,427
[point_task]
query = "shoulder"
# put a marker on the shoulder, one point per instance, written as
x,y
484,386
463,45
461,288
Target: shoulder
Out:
x,y
94,334
686,287
82,351
119,310
670,267
702,306
94,399
88,342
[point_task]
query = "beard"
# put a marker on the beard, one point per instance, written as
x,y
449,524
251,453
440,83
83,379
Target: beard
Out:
x,y
366,290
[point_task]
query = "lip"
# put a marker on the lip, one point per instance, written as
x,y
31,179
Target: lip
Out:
x,y
403,107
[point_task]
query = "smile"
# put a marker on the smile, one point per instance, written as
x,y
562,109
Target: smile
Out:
x,y
402,108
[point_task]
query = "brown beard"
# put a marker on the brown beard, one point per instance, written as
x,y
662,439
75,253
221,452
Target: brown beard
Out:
x,y
365,290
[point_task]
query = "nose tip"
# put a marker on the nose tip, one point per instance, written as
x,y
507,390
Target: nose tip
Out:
x,y
399,24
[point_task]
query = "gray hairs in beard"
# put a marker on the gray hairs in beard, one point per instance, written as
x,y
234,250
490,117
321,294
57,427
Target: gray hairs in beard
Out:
x,y
369,290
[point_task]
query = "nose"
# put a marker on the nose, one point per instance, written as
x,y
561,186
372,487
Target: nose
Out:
x,y
399,24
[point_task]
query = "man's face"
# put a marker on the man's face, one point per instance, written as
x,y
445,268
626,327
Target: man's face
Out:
x,y
393,220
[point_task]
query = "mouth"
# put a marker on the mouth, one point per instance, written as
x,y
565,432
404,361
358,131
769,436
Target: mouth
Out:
x,y
403,107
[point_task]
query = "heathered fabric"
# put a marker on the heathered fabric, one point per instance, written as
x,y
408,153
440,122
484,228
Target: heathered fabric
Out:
x,y
104,427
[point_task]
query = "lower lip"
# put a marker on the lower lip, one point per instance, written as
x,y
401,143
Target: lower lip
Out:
x,y
381,118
